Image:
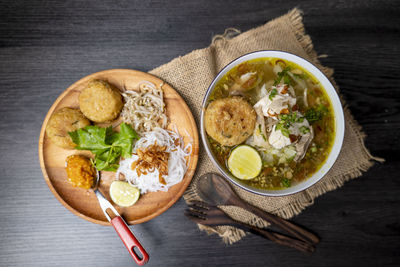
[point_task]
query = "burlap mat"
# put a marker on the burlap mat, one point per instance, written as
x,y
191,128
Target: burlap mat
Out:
x,y
191,75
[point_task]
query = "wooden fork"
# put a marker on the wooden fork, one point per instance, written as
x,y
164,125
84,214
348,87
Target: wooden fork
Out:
x,y
202,213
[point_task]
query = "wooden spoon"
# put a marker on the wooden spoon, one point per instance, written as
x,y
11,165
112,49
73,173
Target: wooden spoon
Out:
x,y
215,190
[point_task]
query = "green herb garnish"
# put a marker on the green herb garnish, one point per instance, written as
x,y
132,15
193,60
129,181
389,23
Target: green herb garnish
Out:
x,y
286,182
107,145
273,93
316,114
312,115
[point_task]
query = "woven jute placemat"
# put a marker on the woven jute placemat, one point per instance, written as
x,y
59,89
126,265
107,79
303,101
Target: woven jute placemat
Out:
x,y
191,75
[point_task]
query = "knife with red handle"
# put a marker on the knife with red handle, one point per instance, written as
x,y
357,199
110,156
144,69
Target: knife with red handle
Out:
x,y
130,241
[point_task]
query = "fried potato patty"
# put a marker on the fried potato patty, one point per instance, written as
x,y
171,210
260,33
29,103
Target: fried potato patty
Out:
x,y
80,171
63,121
230,121
100,101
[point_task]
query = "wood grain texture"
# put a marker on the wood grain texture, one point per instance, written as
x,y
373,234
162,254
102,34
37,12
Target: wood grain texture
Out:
x,y
83,202
47,45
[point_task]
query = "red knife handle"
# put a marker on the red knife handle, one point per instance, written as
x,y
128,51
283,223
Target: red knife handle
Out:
x,y
130,240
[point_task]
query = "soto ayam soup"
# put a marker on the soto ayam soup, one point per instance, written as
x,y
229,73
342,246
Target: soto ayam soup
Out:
x,y
270,123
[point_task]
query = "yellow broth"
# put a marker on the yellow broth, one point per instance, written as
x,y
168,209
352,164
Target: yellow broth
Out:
x,y
274,176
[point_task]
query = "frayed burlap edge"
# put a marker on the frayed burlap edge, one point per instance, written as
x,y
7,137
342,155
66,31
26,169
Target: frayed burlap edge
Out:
x,y
231,235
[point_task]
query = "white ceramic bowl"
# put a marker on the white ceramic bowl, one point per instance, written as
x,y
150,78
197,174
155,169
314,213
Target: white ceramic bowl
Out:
x,y
337,107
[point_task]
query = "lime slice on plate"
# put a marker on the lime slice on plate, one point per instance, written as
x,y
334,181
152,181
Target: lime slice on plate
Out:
x,y
244,162
123,194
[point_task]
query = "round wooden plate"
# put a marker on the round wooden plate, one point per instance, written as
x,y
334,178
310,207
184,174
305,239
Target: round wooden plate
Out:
x,y
84,202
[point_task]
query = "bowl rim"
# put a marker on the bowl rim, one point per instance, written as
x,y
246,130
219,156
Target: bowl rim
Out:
x,y
335,101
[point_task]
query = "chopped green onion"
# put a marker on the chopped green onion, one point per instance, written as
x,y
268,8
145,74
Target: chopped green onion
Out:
x,y
286,182
293,117
261,133
304,129
283,129
300,76
286,79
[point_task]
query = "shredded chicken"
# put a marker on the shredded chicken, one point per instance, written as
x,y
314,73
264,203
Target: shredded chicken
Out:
x,y
273,105
259,137
244,82
303,144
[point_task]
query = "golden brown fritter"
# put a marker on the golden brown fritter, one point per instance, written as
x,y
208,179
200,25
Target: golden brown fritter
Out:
x,y
230,121
63,121
100,101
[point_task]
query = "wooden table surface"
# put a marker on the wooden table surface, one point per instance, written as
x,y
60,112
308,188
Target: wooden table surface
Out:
x,y
47,45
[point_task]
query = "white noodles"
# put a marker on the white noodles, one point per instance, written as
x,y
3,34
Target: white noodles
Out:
x,y
144,109
177,164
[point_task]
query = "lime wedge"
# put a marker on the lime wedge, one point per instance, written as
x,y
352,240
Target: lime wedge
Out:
x,y
244,162
123,194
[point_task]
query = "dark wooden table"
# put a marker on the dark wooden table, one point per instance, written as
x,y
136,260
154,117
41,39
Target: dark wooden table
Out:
x,y
47,45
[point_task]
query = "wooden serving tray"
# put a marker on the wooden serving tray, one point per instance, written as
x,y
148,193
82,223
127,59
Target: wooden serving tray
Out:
x,y
84,202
